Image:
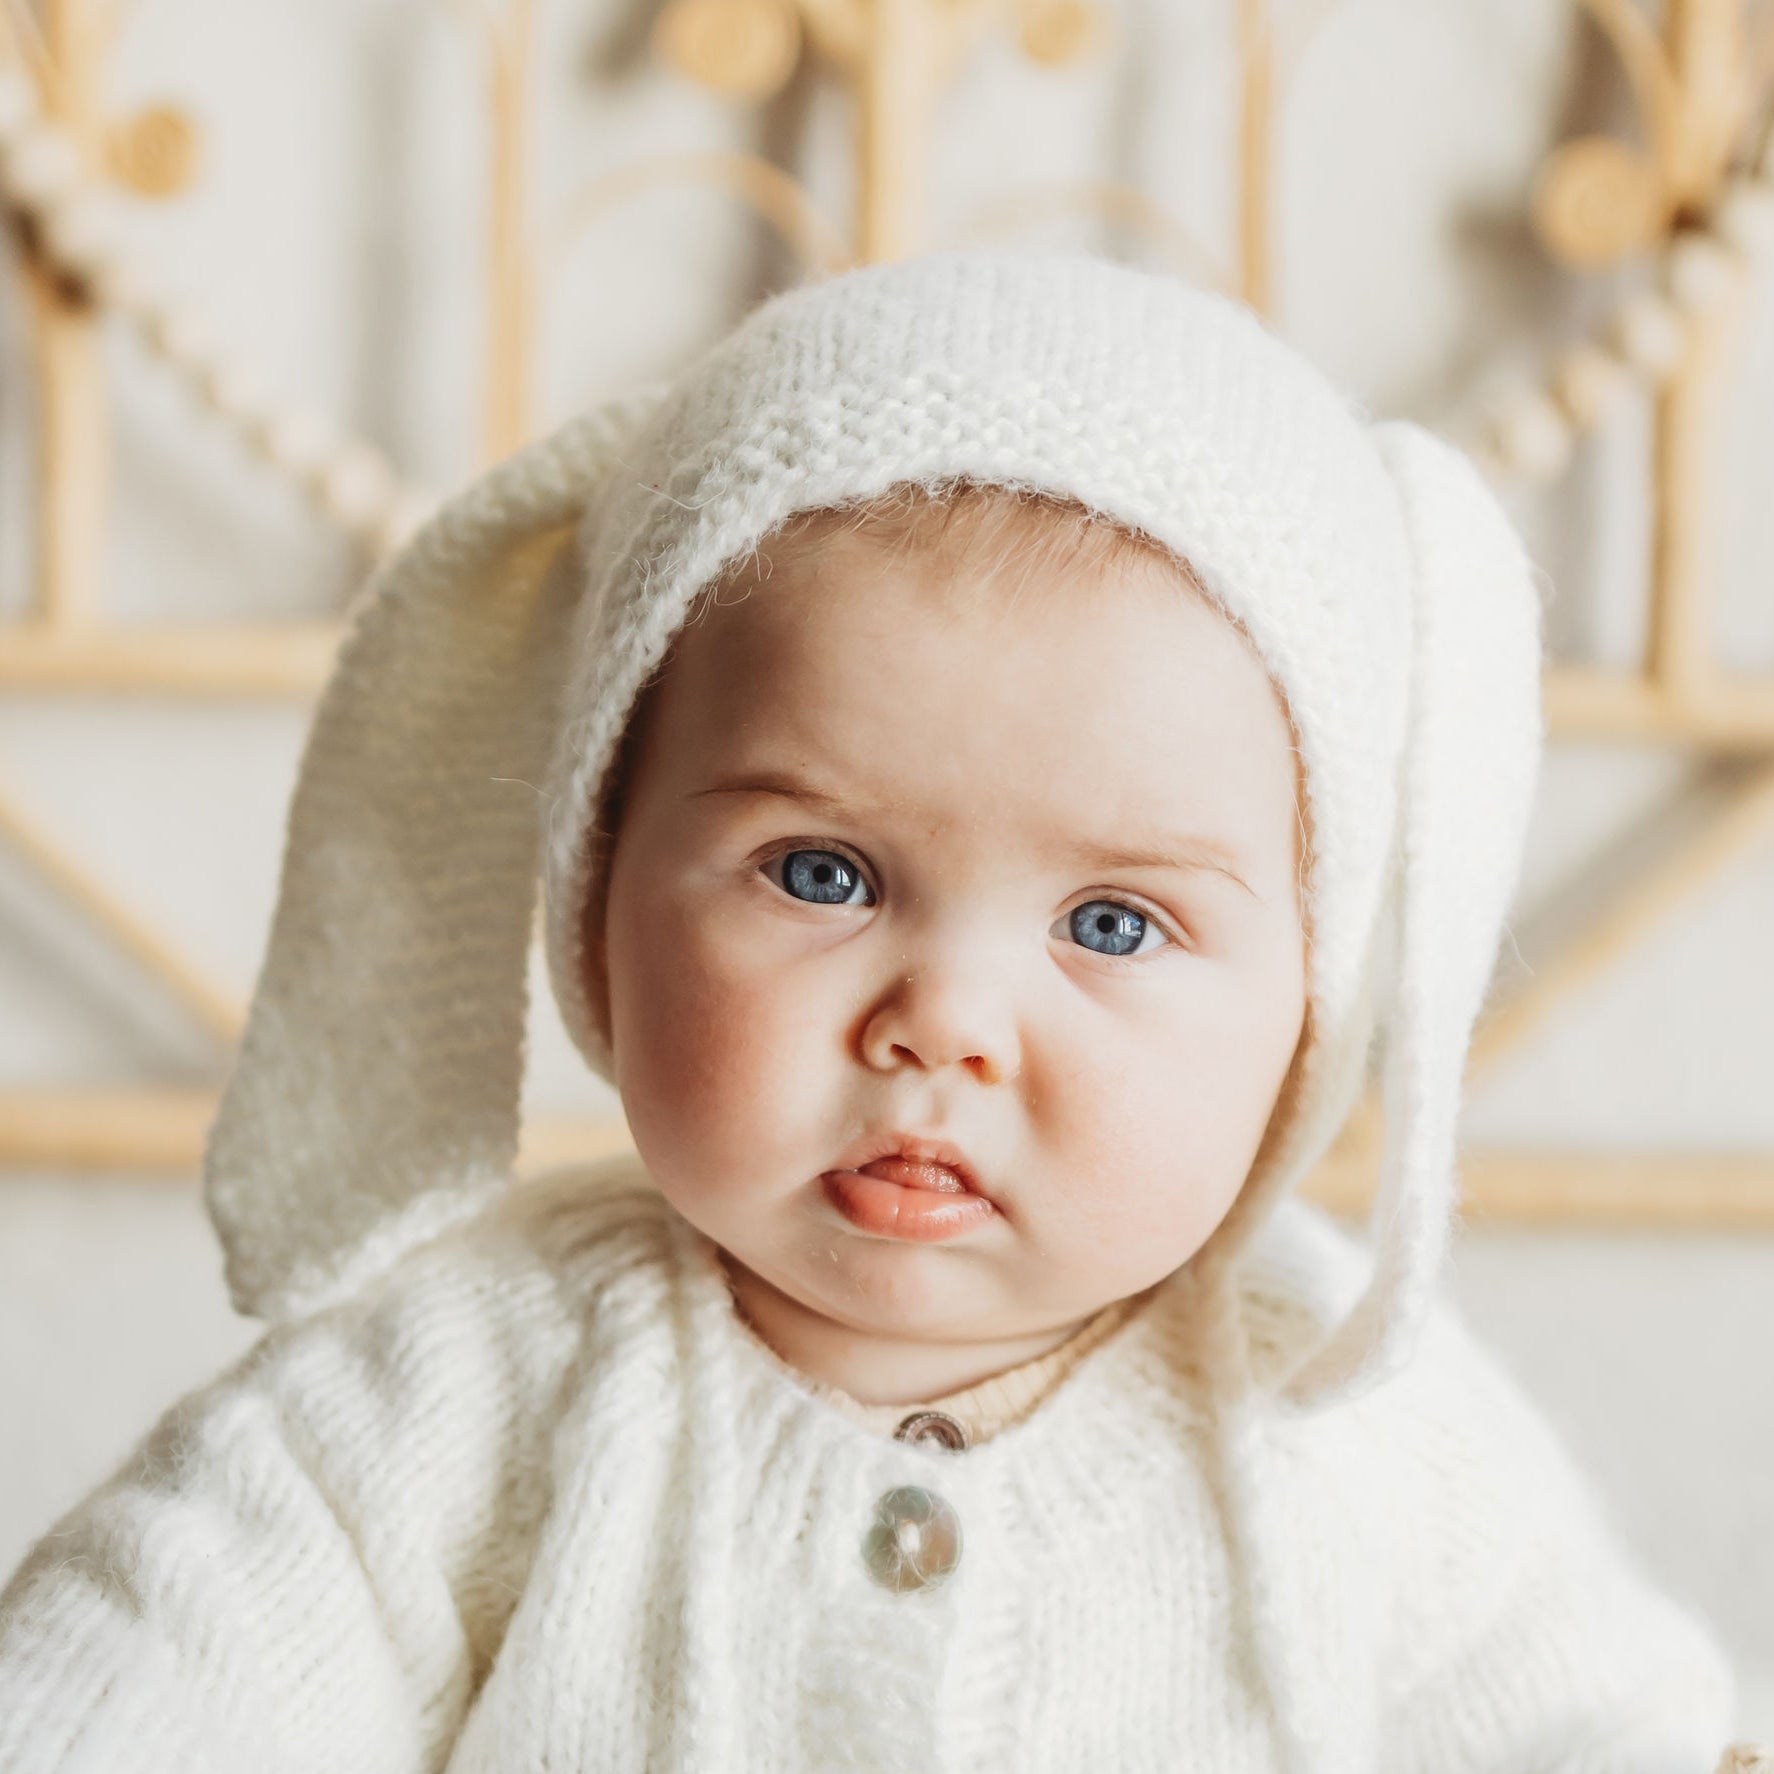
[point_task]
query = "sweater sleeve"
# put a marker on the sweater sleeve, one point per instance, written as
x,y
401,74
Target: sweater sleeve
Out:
x,y
307,1564
1544,1646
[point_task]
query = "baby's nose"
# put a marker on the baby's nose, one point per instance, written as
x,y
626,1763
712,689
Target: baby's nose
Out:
x,y
935,1018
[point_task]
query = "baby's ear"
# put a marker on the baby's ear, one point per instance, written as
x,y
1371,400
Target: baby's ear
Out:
x,y
1473,745
374,1100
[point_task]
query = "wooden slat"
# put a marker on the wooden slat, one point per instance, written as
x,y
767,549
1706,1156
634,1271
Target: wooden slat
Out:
x,y
146,1132
1700,1191
291,660
276,660
73,406
510,260
160,1133
1730,714
1671,862
148,947
1256,139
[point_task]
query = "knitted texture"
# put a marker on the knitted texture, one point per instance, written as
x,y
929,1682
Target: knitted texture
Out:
x,y
463,748
375,1097
532,1499
991,1405
376,1091
1372,571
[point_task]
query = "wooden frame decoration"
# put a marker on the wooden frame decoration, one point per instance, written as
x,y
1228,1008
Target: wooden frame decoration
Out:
x,y
1696,205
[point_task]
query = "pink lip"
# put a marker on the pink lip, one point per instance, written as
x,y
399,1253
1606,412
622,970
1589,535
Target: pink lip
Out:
x,y
915,1150
899,1186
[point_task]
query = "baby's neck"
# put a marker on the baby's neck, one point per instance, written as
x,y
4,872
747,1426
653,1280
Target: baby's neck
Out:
x,y
872,1368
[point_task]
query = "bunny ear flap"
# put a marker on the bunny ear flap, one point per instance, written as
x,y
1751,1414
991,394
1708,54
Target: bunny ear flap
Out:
x,y
374,1100
1474,739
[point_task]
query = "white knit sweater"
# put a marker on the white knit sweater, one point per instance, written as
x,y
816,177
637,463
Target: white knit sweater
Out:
x,y
536,1500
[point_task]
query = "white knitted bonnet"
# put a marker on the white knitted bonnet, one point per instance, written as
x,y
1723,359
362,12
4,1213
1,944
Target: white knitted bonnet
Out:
x,y
458,755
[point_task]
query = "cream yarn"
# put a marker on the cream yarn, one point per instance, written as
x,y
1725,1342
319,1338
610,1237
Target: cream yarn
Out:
x,y
375,1097
468,731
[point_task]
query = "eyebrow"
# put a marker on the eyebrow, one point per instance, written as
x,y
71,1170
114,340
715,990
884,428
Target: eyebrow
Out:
x,y
1189,854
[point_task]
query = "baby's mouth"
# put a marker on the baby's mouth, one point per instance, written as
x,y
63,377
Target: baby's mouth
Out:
x,y
913,1173
916,1161
901,1197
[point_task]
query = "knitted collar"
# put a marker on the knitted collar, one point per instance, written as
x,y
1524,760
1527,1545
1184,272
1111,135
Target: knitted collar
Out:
x,y
988,1406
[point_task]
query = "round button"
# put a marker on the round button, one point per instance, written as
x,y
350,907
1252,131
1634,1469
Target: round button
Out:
x,y
915,1540
936,1426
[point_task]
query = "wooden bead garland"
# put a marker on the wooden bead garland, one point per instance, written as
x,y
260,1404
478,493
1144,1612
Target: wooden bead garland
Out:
x,y
79,229
1649,334
353,484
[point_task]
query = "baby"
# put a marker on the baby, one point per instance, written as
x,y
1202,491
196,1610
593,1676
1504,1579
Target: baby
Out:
x,y
999,737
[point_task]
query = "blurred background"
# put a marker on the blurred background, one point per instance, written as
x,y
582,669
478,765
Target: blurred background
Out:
x,y
273,276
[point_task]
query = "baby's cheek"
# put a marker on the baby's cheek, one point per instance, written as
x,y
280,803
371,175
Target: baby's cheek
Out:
x,y
1099,1080
1133,1127
704,1058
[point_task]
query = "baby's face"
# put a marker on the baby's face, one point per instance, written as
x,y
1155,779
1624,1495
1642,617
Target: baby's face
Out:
x,y
1007,865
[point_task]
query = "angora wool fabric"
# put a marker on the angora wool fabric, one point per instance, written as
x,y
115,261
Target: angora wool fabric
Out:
x,y
1375,574
532,1501
1212,1545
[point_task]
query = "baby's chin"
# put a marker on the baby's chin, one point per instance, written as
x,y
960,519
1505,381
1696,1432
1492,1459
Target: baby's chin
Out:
x,y
878,1289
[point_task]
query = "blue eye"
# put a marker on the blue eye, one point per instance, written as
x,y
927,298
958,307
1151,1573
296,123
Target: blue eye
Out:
x,y
1108,927
822,877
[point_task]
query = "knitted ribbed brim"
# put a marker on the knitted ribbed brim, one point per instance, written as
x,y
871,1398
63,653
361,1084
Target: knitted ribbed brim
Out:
x,y
1373,572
